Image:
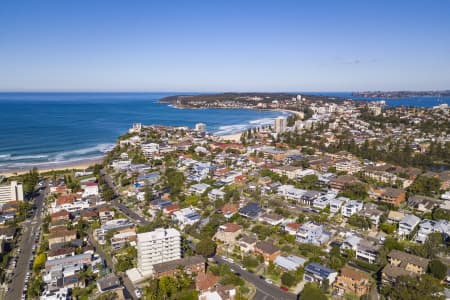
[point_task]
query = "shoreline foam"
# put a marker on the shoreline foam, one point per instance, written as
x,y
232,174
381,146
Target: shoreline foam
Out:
x,y
81,164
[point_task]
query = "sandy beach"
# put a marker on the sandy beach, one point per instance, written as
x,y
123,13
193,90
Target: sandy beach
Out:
x,y
78,165
236,137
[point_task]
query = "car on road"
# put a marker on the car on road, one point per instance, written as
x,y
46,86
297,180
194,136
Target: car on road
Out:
x,y
283,288
138,293
269,281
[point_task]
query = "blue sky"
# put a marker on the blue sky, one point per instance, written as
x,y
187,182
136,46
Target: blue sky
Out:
x,y
224,45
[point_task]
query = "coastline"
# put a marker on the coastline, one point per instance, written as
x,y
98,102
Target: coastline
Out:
x,y
236,137
78,165
56,163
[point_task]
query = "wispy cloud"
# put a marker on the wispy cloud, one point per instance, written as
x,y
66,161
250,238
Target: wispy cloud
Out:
x,y
354,61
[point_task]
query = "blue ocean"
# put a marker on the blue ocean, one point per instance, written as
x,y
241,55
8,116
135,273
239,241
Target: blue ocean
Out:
x,y
49,129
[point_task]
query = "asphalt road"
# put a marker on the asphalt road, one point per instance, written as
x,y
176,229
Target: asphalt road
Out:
x,y
30,227
264,290
121,207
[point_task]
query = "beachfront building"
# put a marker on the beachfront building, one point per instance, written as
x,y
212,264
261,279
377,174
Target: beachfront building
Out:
x,y
12,191
280,124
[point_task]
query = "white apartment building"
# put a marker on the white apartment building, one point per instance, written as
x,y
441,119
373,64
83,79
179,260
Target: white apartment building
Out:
x,y
158,246
11,192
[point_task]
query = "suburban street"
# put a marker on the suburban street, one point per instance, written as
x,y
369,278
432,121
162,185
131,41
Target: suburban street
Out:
x,y
121,207
30,228
129,288
264,290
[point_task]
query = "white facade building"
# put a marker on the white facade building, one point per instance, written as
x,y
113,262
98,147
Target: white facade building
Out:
x,y
11,192
352,207
337,203
407,225
158,246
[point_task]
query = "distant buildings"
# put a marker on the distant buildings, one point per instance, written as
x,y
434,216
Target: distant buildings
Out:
x,y
12,191
200,127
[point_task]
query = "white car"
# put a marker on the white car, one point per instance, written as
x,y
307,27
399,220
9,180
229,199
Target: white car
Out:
x,y
138,293
269,281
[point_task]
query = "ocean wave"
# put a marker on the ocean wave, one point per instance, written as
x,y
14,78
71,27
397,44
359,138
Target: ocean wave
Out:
x,y
100,148
47,164
263,121
230,129
174,106
9,157
236,128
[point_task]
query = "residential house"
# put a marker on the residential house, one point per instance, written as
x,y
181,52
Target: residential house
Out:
x,y
339,183
291,193
267,250
186,216
221,292
395,216
123,238
190,265
271,218
228,210
59,215
423,204
206,281
317,273
79,259
352,281
247,244
216,194
198,188
228,233
407,225
312,233
292,228
290,262
309,197
401,263
372,213
351,207
389,195
108,283
337,203
251,210
290,172
90,189
426,227
367,251
60,237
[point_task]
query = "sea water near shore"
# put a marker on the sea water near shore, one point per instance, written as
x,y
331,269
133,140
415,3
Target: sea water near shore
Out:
x,y
50,130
